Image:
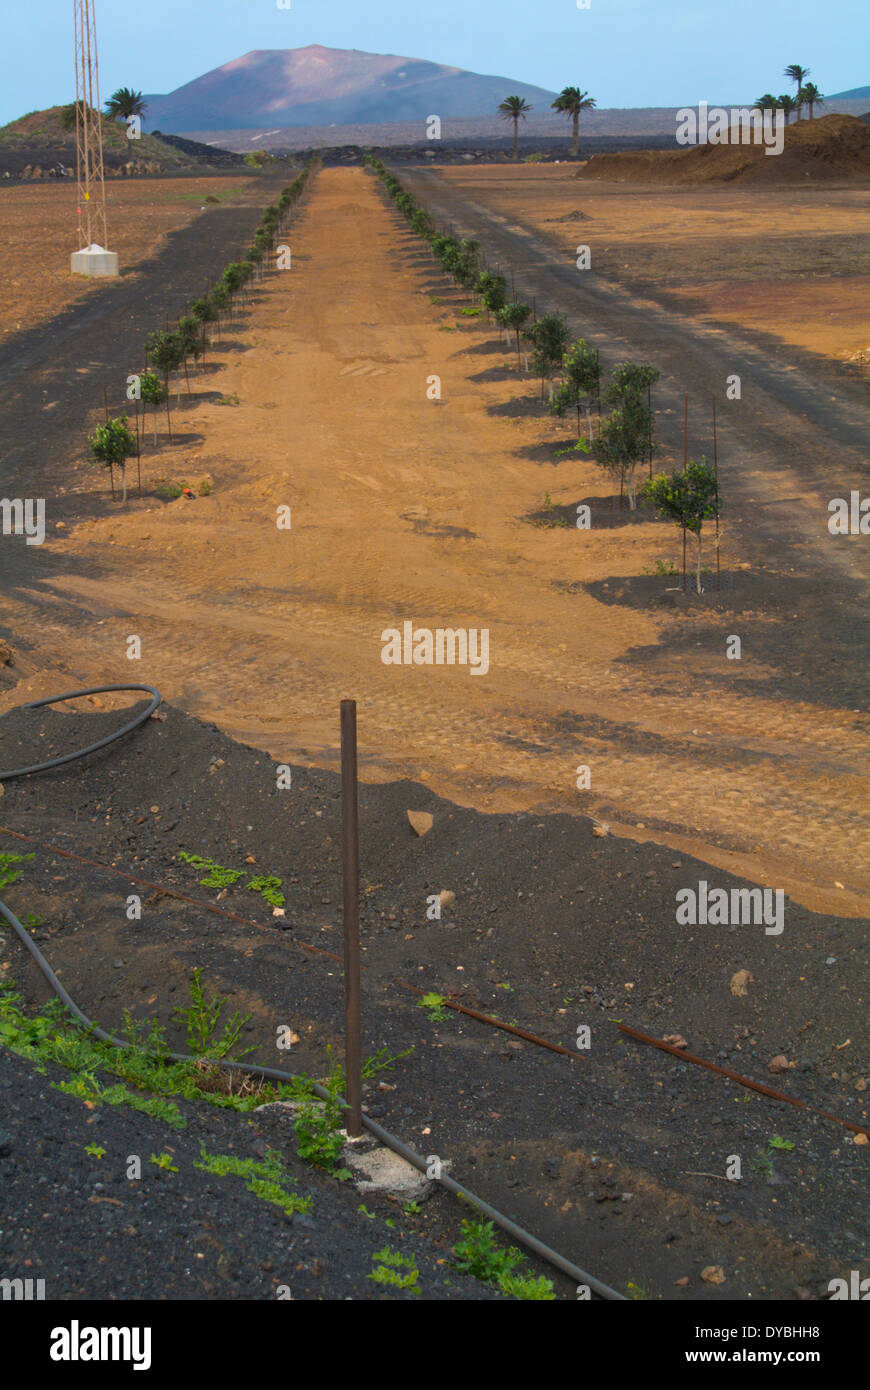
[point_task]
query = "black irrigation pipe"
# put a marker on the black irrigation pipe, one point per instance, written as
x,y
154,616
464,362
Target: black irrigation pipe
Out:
x,y
580,1276
92,747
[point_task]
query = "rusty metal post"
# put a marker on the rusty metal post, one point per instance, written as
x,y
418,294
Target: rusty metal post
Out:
x,y
350,884
716,471
685,470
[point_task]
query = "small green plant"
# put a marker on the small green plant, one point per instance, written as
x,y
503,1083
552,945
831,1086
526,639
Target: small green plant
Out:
x,y
666,568
163,1161
266,1178
204,488
169,491
386,1271
479,1255
9,870
411,1208
201,1017
434,1005
86,1087
95,1151
230,400
762,1163
267,886
216,875
777,1142
364,1211
318,1123
639,1292
382,1060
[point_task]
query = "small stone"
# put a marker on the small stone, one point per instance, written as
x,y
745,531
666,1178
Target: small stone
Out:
x,y
249,859
421,822
600,829
713,1274
682,1283
675,1040
780,1064
860,1139
740,983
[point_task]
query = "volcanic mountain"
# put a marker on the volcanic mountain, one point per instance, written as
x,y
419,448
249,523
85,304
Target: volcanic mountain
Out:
x,y
326,86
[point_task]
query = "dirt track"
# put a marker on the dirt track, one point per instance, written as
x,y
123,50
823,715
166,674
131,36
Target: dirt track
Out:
x,y
405,507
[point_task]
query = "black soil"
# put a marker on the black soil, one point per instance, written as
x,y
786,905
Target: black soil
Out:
x,y
617,1159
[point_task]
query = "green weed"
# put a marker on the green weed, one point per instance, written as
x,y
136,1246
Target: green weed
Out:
x,y
479,1255
386,1271
434,1005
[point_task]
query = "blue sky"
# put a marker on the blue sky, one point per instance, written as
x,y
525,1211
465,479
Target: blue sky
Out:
x,y
625,52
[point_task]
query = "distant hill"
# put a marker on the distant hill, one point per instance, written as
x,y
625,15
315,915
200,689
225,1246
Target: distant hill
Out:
x,y
43,143
318,86
855,94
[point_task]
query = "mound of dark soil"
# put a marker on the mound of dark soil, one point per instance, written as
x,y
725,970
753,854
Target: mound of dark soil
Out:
x,y
830,148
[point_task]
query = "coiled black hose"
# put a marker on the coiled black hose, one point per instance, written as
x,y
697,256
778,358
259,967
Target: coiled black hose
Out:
x,y
92,747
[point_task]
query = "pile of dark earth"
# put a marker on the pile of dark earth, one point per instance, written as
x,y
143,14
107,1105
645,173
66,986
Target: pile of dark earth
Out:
x,y
620,1157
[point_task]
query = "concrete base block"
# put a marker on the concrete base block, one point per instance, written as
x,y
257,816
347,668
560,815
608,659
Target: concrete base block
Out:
x,y
380,1170
94,260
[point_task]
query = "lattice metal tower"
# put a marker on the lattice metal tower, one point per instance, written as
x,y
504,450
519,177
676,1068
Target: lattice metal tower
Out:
x,y
91,200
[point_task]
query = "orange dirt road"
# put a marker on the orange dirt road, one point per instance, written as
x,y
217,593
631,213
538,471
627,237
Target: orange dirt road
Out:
x,y
405,507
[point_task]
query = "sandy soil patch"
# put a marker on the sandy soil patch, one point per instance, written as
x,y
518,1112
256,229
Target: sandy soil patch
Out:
x,y
38,226
407,508
792,262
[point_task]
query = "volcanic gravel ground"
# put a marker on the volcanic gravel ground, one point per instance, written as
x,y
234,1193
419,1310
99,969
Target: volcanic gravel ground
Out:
x,y
77,1221
617,1159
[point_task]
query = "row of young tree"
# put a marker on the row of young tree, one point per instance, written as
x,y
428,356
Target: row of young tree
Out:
x,y
570,374
168,351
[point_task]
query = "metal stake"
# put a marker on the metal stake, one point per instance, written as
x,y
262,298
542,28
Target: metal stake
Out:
x,y
350,883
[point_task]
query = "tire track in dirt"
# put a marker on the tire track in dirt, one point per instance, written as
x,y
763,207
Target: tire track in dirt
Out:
x,y
264,632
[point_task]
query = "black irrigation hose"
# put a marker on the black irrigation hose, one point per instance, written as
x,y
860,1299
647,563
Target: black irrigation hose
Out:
x,y
525,1238
92,747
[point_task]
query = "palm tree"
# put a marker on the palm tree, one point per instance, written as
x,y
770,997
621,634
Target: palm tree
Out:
x,y
766,103
811,96
797,75
572,101
787,104
511,109
125,102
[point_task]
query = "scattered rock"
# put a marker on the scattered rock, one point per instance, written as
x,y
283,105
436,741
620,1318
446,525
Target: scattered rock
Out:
x,y
780,1064
740,983
713,1274
682,1283
860,1139
6,656
675,1040
446,898
421,821
600,829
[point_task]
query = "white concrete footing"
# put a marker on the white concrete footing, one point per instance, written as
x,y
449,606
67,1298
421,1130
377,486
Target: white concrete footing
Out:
x,y
94,260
